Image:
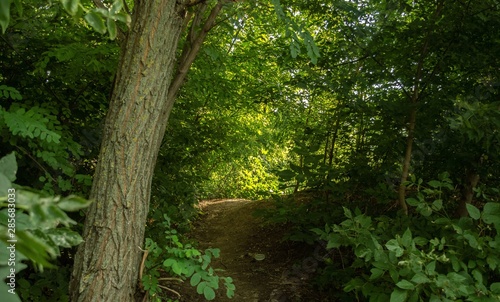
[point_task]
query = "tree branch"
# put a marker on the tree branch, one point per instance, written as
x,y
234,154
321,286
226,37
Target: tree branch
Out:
x,y
193,44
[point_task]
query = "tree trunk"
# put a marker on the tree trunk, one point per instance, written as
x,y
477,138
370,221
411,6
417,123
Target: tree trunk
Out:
x,y
470,183
107,262
414,99
407,161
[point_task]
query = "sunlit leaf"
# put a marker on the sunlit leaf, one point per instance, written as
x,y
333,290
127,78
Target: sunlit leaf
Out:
x,y
112,29
96,21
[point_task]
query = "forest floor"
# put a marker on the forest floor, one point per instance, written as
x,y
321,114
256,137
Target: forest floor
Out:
x,y
285,273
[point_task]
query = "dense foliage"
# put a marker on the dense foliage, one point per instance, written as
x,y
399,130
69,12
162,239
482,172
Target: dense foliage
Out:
x,y
334,109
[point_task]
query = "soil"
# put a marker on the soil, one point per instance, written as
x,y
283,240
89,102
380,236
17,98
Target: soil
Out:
x,y
285,273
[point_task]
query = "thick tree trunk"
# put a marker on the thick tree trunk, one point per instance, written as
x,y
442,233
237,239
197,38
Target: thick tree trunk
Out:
x,y
107,262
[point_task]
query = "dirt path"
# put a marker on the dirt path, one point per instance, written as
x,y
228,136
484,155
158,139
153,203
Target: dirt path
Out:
x,y
282,276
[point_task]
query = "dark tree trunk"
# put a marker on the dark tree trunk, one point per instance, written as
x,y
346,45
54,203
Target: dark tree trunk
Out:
x,y
407,161
470,183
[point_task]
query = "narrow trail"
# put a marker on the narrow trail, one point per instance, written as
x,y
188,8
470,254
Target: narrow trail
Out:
x,y
230,226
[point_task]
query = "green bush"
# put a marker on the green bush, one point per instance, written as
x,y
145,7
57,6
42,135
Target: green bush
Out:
x,y
428,256
34,227
182,261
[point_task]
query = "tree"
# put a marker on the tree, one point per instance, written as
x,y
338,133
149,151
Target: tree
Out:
x,y
148,78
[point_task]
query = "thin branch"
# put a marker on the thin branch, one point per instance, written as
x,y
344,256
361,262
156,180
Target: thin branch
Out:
x,y
170,279
141,268
191,50
170,290
37,163
368,53
193,35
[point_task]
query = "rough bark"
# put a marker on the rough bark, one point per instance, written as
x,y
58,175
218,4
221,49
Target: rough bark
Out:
x,y
107,262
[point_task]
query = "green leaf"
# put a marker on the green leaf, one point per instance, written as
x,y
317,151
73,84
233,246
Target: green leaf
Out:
x,y
420,278
24,123
406,240
347,212
495,288
473,211
492,261
399,295
478,276
472,240
230,293
434,183
195,279
71,6
393,245
216,253
116,7
64,237
201,287
73,203
111,24
354,284
420,241
412,202
4,14
34,248
405,284
95,20
431,268
376,273
437,205
169,262
5,185
8,166
209,293
177,268
425,211
491,213
123,17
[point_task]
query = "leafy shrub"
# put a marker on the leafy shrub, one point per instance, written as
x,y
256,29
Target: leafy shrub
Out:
x,y
184,262
34,220
427,257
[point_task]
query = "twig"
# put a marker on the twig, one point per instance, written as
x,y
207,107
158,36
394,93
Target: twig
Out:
x,y
37,163
170,290
170,279
141,269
